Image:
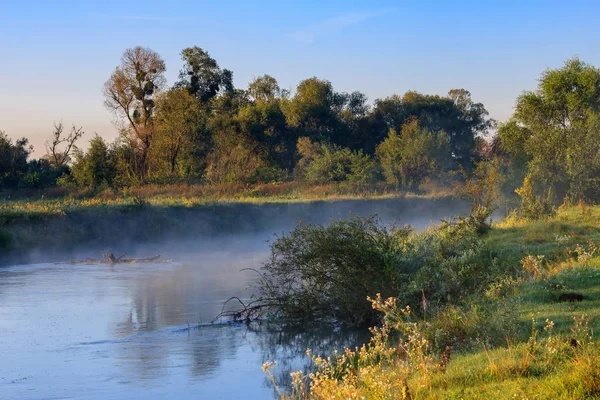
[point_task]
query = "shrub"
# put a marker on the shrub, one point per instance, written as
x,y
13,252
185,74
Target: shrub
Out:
x,y
318,271
95,168
482,190
323,163
532,205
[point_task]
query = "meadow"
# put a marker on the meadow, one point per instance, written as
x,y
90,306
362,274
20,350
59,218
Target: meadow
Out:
x,y
529,333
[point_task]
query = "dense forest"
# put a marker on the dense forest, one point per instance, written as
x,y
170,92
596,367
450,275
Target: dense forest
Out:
x,y
203,129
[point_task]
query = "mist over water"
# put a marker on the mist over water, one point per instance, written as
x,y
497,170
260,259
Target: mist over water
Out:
x,y
122,331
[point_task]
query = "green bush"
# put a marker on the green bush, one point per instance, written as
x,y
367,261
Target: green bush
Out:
x,y
324,163
533,206
318,271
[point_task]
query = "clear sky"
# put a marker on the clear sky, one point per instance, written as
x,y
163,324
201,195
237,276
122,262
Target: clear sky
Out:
x,y
56,55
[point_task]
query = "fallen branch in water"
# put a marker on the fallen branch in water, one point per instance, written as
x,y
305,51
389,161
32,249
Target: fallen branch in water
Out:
x,y
252,311
111,259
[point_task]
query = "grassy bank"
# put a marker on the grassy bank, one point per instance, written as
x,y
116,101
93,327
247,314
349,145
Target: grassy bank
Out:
x,y
514,339
58,226
30,205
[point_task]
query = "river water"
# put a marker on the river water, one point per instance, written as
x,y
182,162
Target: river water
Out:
x,y
142,331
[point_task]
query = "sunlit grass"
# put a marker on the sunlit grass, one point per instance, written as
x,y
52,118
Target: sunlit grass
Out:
x,y
190,196
538,360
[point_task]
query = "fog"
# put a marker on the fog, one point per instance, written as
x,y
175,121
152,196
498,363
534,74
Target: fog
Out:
x,y
181,233
143,330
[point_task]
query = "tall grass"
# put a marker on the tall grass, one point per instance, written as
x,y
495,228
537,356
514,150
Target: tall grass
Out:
x,y
514,340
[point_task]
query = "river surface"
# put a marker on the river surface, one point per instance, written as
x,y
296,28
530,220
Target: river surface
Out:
x,y
132,331
143,331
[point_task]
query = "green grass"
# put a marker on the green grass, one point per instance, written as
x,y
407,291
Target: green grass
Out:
x,y
510,371
537,360
61,203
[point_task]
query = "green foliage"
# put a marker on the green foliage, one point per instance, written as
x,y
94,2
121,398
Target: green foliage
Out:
x,y
180,140
416,154
201,75
237,158
96,167
264,88
555,130
318,271
322,163
455,114
13,160
264,121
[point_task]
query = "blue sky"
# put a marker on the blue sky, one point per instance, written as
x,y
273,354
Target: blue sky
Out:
x,y
56,55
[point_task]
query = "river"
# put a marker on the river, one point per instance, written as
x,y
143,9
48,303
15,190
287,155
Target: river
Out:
x,y
143,331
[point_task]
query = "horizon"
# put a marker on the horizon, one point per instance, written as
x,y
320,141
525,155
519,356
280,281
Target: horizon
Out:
x,y
495,50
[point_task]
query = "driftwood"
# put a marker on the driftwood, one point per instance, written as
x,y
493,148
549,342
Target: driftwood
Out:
x,y
253,311
122,259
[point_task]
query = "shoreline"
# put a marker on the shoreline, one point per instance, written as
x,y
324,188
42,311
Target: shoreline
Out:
x,y
71,226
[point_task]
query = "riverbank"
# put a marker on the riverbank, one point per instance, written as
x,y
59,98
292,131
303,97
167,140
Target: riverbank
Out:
x,y
531,333
45,227
39,204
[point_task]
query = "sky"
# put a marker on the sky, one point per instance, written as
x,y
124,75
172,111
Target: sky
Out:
x,y
56,55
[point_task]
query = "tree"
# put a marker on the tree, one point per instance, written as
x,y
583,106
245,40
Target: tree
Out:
x,y
236,157
201,75
416,154
265,122
180,142
130,93
555,130
355,117
456,114
314,110
60,157
13,159
96,167
264,88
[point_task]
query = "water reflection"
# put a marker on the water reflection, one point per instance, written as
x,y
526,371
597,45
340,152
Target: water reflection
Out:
x,y
97,332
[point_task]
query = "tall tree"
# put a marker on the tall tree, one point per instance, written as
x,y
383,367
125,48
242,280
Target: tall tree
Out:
x,y
130,93
264,88
235,156
201,75
264,120
315,110
180,142
556,129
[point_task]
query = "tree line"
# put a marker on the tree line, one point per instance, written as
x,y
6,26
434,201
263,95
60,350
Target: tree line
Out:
x,y
204,129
